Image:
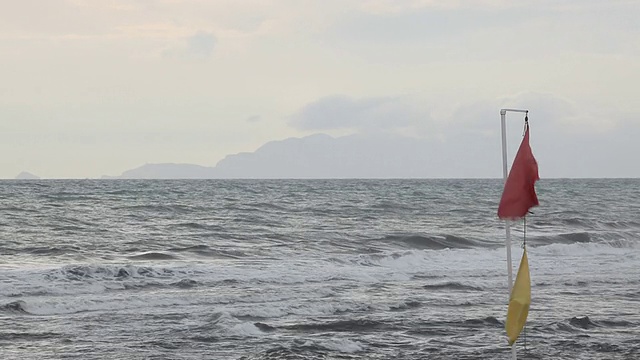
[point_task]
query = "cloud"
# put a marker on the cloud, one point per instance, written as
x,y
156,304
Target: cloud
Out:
x,y
478,30
253,119
556,113
402,6
343,112
435,24
569,139
407,116
201,44
197,46
547,111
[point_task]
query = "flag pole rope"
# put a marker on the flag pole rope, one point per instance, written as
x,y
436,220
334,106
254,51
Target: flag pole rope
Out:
x,y
524,248
524,233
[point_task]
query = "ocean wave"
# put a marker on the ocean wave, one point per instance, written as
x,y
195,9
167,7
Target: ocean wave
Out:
x,y
306,351
107,272
586,249
291,306
207,251
194,248
580,324
226,324
634,294
49,251
451,327
586,323
264,327
153,256
433,242
452,285
197,226
617,239
568,238
445,242
244,329
16,208
586,222
405,305
93,279
180,284
352,325
70,196
269,206
13,336
185,284
341,345
572,325
14,307
489,321
205,339
70,228
392,207
405,265
622,224
174,209
64,305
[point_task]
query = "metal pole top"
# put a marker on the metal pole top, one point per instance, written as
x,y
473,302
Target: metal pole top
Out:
x,y
504,111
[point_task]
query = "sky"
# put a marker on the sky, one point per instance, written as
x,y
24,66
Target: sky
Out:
x,y
96,87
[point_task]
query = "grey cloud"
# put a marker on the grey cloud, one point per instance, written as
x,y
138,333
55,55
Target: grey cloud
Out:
x,y
197,46
253,118
33,18
478,116
426,23
201,44
564,139
546,111
547,106
343,112
473,31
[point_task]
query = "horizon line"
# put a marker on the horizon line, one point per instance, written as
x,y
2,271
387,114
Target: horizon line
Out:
x,y
327,178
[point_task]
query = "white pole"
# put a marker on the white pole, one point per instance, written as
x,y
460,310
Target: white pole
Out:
x,y
507,223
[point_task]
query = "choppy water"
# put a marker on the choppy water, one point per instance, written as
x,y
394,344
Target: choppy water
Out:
x,y
323,269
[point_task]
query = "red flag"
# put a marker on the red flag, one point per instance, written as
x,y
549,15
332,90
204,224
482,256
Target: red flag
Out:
x,y
519,193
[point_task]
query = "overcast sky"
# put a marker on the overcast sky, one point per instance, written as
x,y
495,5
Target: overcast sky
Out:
x,y
94,87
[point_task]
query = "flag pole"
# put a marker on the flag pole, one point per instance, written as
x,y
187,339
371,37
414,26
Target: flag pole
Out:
x,y
507,223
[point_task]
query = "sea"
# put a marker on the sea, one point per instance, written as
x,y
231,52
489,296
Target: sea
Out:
x,y
313,269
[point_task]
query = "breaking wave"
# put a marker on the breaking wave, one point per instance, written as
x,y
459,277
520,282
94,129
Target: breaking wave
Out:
x,y
570,238
452,286
153,256
354,325
434,242
14,307
110,272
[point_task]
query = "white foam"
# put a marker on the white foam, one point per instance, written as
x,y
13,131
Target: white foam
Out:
x,y
580,249
60,305
324,308
341,345
245,329
261,311
302,287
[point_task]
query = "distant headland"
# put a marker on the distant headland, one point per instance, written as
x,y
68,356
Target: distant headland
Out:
x,y
27,176
323,156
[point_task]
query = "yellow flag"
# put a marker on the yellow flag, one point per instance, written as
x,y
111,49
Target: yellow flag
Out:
x,y
519,301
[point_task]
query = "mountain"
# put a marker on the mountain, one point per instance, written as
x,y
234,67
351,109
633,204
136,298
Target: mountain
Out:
x,y
353,156
322,156
167,171
27,176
